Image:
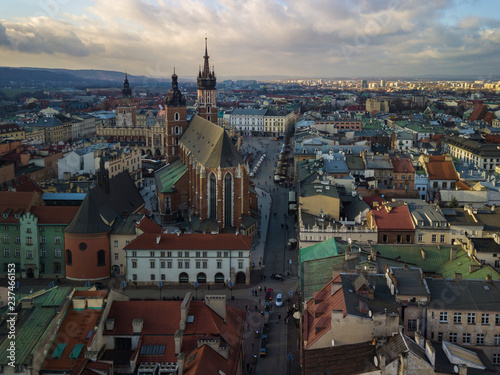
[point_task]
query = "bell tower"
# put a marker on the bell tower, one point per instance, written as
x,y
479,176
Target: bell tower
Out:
x,y
175,120
207,103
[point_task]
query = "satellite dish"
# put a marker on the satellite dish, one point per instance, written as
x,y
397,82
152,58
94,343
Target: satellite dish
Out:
x,y
296,315
455,369
349,241
370,314
333,342
375,361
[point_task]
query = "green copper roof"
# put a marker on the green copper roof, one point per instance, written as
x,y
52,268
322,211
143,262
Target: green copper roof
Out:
x,y
167,177
321,250
461,265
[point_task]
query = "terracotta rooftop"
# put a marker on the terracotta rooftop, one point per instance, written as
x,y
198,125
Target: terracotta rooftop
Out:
x,y
54,214
402,165
194,241
149,226
317,316
396,218
13,201
441,169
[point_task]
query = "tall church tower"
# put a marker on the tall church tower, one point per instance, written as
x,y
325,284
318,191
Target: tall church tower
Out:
x,y
175,120
126,110
207,104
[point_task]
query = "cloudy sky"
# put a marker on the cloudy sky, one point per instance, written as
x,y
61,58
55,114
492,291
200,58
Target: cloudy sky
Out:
x,y
307,38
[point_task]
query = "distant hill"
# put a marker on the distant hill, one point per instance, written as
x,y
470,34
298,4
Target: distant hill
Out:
x,y
46,77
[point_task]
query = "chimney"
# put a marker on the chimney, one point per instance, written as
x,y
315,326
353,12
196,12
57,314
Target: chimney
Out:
x,y
382,363
419,339
180,364
335,287
422,252
488,278
217,304
185,309
493,208
110,324
458,276
430,352
453,253
178,341
137,325
462,369
158,239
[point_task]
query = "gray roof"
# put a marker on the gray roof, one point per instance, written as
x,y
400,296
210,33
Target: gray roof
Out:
x,y
424,215
355,162
210,144
249,112
378,162
398,345
310,190
473,295
383,301
485,245
353,209
336,165
409,281
126,224
48,122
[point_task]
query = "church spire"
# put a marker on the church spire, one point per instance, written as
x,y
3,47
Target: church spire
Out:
x,y
126,91
206,78
175,97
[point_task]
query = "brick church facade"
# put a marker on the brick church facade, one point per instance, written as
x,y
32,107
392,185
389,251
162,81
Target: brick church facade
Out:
x,y
206,182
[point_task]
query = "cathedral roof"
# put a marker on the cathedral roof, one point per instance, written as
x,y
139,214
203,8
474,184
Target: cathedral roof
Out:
x,y
100,207
210,144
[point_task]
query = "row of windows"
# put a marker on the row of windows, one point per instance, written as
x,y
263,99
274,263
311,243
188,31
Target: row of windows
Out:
x,y
29,253
29,239
186,264
467,338
471,318
442,238
185,254
56,267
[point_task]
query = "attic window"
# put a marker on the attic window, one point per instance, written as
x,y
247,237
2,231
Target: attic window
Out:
x,y
153,349
190,319
191,358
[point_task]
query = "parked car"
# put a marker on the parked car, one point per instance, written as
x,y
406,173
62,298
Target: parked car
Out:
x,y
263,347
279,300
98,285
278,276
269,294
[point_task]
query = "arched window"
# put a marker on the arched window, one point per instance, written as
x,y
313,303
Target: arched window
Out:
x,y
212,197
228,200
209,118
183,278
177,116
208,109
219,278
69,257
101,258
177,130
201,278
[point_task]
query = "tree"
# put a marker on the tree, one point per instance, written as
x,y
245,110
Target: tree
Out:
x,y
453,202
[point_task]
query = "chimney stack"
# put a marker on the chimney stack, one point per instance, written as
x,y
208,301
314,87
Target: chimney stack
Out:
x,y
218,304
110,324
137,325
180,363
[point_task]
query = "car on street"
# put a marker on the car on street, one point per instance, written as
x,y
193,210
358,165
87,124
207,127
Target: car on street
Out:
x,y
269,294
278,276
279,300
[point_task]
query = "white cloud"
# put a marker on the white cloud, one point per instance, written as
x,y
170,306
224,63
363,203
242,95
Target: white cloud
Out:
x,y
294,37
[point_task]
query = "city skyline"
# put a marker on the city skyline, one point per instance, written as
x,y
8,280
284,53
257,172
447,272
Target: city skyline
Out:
x,y
256,38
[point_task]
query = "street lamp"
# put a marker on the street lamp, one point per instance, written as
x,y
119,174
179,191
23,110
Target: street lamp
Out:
x,y
231,288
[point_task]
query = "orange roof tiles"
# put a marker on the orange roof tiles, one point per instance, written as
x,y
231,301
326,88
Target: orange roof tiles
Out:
x,y
397,219
317,318
402,165
14,201
149,226
194,241
73,330
439,168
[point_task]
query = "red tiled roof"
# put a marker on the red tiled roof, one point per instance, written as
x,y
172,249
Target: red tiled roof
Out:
x,y
22,183
54,214
440,169
317,316
460,185
478,113
15,201
397,219
194,241
168,355
98,366
402,165
73,330
149,226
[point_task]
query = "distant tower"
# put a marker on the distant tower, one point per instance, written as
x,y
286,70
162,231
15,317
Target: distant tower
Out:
x,y
102,175
126,91
207,104
175,120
